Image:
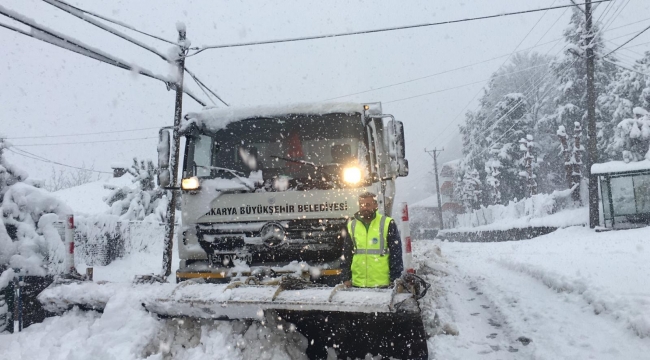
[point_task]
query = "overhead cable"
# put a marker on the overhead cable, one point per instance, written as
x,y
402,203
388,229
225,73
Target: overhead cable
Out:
x,y
79,13
13,148
505,61
79,134
52,37
87,142
116,22
626,68
627,42
201,49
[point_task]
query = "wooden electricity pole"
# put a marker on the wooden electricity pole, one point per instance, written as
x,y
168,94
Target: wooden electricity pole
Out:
x,y
434,154
178,112
592,149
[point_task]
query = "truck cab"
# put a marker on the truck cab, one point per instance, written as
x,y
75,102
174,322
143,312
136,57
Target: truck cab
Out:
x,y
270,189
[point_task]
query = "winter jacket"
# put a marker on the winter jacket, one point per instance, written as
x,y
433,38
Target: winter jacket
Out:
x,y
363,263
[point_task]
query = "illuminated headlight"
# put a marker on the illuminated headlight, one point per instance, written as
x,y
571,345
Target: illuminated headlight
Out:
x,y
352,175
191,183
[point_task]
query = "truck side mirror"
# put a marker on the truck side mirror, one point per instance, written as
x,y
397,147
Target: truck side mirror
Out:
x,y
395,139
164,143
402,167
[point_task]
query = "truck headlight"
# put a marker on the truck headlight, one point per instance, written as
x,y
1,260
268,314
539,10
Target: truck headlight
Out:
x,y
191,183
352,175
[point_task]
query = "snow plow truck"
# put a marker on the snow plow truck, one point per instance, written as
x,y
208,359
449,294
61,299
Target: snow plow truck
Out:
x,y
266,193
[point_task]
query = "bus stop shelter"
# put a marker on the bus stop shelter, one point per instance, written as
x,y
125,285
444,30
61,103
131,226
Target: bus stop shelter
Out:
x,y
624,193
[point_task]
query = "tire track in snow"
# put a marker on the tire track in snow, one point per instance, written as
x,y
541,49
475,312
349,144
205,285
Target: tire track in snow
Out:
x,y
559,327
464,309
599,300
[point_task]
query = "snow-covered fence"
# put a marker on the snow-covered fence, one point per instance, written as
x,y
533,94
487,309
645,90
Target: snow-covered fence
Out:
x,y
101,239
533,207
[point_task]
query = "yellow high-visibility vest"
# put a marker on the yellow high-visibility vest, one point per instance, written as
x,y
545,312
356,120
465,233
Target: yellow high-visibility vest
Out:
x,y
370,266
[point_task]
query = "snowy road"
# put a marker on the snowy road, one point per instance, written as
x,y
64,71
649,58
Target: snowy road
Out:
x,y
572,294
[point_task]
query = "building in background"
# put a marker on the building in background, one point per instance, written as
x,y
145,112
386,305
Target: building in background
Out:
x,y
423,217
451,206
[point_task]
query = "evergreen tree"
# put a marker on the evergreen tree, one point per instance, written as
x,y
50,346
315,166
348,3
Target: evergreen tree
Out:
x,y
471,190
629,90
571,72
144,200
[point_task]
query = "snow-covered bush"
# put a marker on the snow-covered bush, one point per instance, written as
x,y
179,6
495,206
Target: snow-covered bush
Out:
x,y
28,238
143,201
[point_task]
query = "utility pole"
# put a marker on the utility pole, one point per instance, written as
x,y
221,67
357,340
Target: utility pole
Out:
x,y
178,112
592,150
434,154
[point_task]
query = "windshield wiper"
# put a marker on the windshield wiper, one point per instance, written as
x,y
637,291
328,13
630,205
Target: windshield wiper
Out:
x,y
231,171
295,160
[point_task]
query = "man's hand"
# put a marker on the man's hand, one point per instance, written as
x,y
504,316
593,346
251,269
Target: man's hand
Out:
x,y
347,283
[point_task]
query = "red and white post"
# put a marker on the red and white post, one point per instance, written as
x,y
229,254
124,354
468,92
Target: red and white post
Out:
x,y
406,238
69,245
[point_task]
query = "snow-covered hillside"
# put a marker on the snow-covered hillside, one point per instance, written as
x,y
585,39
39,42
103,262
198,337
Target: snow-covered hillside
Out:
x,y
88,199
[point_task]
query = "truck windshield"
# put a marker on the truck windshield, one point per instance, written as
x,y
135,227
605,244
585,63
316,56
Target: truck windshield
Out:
x,y
308,150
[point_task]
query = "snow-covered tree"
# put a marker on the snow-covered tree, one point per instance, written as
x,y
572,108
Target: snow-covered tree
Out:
x,y
629,90
143,201
28,239
632,136
527,164
572,152
571,72
471,191
64,179
492,178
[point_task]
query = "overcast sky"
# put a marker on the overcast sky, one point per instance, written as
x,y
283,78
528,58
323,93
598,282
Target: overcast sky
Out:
x,y
50,91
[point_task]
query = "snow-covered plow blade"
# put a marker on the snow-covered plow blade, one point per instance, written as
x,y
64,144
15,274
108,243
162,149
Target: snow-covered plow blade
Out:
x,y
352,321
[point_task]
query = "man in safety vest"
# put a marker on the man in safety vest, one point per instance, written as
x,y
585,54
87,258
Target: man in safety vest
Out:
x,y
372,253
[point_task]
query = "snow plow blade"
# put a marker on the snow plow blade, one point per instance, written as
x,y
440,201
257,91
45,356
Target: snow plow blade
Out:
x,y
352,321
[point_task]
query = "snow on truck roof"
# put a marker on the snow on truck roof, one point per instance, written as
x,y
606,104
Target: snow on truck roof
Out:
x,y
215,119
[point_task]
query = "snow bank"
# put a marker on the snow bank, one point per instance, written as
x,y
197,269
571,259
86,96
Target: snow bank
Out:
x,y
214,119
126,331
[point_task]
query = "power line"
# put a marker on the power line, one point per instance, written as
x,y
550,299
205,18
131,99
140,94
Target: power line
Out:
x,y
626,68
463,85
627,42
201,84
382,30
88,142
478,92
79,134
38,158
439,73
622,26
79,13
116,22
50,36
604,14
637,45
476,63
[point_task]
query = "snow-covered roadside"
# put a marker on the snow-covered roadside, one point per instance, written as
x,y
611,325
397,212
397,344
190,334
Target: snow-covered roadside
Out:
x,y
574,293
127,331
